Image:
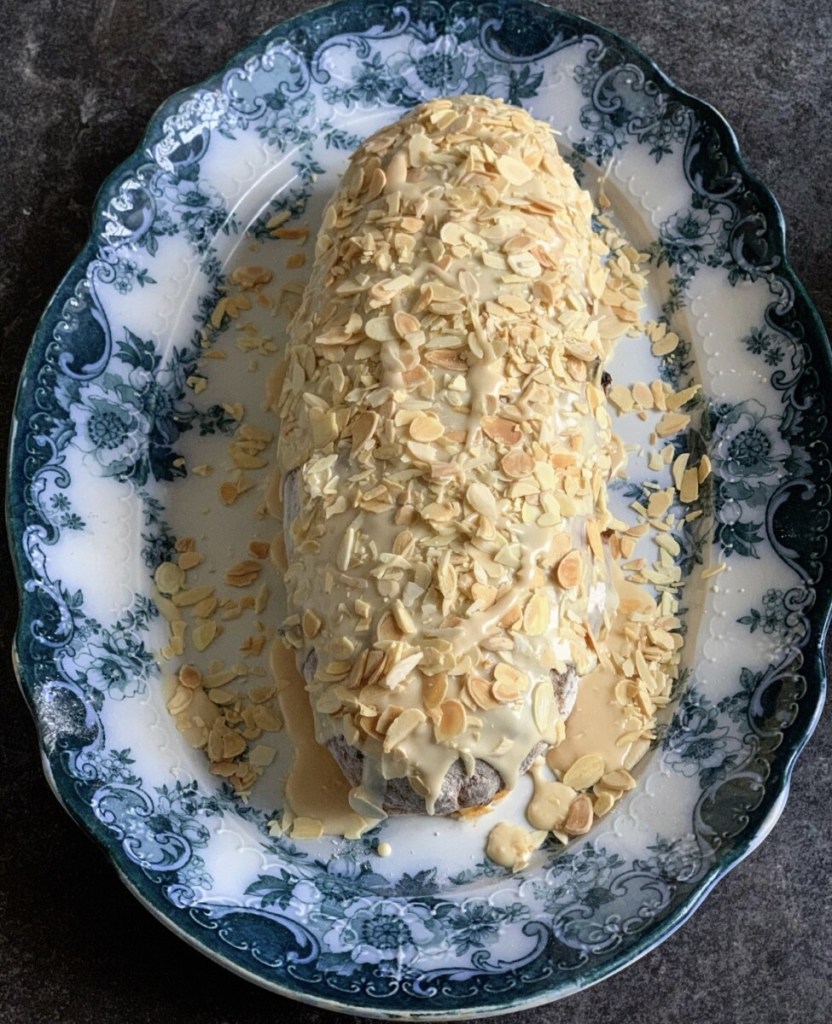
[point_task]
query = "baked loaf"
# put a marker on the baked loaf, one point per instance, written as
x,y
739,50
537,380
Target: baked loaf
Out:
x,y
445,452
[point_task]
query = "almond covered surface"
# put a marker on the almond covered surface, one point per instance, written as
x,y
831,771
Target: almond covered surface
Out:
x,y
444,454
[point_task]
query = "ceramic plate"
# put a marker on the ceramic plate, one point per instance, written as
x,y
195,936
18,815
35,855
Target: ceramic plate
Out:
x,y
112,419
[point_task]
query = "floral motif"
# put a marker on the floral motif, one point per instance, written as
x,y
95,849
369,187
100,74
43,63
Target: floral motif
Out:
x,y
772,618
750,456
374,931
697,742
112,661
771,347
441,65
110,424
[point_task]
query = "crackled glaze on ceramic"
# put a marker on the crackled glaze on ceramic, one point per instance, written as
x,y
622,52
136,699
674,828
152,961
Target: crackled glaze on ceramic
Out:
x,y
105,418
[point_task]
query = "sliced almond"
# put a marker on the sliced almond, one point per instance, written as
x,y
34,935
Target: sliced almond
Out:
x,y
364,427
243,574
501,430
543,706
402,727
593,536
481,500
517,465
405,323
689,491
426,428
404,619
620,778
434,690
537,614
169,578
514,171
579,819
480,692
388,628
311,624
569,570
585,772
452,720
446,358
603,804
204,634
509,683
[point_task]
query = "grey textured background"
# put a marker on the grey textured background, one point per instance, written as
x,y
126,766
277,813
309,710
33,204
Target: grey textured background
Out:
x,y
78,82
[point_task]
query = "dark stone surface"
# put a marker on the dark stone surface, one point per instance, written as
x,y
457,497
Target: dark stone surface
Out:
x,y
78,82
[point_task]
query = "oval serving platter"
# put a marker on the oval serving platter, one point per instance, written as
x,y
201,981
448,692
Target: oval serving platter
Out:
x,y
116,409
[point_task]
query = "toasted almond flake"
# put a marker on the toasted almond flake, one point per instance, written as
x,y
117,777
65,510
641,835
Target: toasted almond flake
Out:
x,y
403,618
509,683
481,499
501,430
679,398
579,819
446,358
405,323
311,624
261,756
221,696
513,170
204,634
642,395
543,706
479,690
537,614
169,578
658,504
192,596
439,512
603,804
402,727
570,570
679,467
298,234
585,772
402,670
180,700
672,423
277,219
666,344
689,491
250,276
704,470
434,690
259,548
228,492
189,560
593,536
452,722
244,573
190,676
426,428
621,397
620,778
517,464
264,718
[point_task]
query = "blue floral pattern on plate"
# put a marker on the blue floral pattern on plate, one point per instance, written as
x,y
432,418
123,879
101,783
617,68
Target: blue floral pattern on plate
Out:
x,y
108,404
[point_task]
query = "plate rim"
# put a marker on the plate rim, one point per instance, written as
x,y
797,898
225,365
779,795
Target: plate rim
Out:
x,y
819,616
